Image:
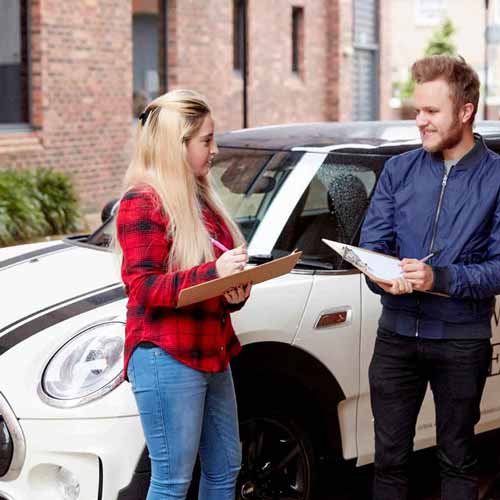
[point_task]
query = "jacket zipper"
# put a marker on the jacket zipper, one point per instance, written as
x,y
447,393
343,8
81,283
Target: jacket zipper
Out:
x,y
434,228
438,211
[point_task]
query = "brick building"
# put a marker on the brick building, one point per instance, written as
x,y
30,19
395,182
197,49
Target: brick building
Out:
x,y
75,71
477,43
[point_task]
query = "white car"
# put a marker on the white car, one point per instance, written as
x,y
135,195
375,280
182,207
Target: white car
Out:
x,y
69,427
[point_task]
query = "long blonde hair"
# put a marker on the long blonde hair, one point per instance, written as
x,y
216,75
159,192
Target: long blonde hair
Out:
x,y
159,160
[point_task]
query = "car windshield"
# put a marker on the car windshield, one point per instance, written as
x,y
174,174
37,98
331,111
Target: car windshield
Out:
x,y
246,180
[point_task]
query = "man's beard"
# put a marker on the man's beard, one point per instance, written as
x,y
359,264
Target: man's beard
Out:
x,y
451,139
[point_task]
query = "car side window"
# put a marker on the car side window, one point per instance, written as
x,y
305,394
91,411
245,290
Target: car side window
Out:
x,y
331,207
247,181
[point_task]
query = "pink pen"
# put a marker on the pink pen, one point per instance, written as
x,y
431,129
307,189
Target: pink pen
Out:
x,y
219,245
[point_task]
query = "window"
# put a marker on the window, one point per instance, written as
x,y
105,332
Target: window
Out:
x,y
297,40
13,62
496,12
247,181
150,46
239,20
332,207
429,12
365,67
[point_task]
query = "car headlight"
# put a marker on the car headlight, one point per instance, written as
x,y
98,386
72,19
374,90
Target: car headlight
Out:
x,y
86,368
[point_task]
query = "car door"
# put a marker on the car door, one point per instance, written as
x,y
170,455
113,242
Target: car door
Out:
x,y
261,189
490,403
332,207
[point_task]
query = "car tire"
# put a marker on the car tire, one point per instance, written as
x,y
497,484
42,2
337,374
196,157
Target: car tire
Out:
x,y
278,459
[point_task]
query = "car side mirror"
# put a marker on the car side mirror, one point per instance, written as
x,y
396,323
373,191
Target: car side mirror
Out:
x,y
240,183
265,184
109,209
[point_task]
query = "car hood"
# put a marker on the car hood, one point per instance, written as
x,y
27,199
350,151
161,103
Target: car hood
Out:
x,y
38,278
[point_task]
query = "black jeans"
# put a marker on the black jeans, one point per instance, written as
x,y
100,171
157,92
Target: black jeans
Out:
x,y
400,370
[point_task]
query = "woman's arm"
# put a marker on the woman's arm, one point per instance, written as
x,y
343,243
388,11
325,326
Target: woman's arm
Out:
x,y
142,233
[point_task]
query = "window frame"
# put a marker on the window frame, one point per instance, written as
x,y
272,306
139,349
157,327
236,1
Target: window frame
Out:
x,y
298,40
429,17
496,13
26,61
239,19
373,163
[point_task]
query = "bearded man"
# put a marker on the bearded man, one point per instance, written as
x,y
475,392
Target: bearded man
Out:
x,y
438,209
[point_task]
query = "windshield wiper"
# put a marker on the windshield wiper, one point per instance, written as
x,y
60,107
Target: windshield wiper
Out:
x,y
302,263
314,264
259,259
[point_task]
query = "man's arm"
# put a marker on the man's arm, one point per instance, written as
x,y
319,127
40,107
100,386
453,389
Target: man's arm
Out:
x,y
474,281
377,233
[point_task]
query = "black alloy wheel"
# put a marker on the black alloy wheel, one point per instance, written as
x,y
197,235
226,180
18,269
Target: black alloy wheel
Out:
x,y
278,462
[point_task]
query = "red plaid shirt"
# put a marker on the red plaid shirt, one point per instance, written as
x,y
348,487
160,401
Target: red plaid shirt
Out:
x,y
200,335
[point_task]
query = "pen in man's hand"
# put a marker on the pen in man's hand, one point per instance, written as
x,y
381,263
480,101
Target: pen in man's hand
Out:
x,y
427,257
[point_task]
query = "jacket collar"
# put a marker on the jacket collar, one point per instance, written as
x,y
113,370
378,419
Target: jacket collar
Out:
x,y
472,158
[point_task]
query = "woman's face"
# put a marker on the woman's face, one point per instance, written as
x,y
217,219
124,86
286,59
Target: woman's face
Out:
x,y
202,148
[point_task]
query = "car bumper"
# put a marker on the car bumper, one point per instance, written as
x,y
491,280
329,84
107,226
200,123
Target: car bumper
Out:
x,y
88,459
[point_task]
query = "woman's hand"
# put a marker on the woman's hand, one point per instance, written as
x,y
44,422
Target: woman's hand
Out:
x,y
232,261
238,294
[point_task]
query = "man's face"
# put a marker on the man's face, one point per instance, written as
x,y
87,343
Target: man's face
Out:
x,y
437,119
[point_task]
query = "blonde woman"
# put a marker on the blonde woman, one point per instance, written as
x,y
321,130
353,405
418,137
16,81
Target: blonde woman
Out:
x,y
171,228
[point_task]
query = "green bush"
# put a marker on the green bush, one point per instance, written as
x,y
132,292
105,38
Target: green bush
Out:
x,y
439,43
35,203
58,200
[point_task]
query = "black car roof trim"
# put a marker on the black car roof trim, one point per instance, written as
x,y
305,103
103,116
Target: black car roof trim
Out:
x,y
33,254
69,308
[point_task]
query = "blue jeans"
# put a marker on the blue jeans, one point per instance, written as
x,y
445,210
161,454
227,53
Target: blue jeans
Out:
x,y
185,411
400,371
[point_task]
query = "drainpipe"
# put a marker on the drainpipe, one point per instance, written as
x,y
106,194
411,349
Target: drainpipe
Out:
x,y
485,104
245,66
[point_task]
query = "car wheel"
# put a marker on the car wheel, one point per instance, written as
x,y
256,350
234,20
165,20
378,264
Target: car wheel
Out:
x,y
278,460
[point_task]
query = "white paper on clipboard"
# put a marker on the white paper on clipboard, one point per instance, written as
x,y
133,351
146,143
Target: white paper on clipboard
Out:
x,y
377,266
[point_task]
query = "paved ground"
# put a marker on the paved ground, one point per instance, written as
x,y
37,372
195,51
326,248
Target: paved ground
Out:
x,y
355,483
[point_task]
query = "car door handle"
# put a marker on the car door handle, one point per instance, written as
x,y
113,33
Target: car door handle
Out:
x,y
334,318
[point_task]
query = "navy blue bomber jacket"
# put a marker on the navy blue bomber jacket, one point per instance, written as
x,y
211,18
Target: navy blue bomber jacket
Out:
x,y
418,209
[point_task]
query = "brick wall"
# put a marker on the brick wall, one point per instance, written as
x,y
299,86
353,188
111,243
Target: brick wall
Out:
x,y
81,76
385,70
276,94
333,58
202,59
80,97
345,60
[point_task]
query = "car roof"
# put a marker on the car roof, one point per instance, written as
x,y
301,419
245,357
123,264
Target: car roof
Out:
x,y
376,137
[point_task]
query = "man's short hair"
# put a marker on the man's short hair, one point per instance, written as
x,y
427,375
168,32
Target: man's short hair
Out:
x,y
461,78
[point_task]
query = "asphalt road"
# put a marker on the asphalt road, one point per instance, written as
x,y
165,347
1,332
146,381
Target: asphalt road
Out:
x,y
351,483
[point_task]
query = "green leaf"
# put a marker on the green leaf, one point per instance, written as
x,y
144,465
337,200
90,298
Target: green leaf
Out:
x,y
35,203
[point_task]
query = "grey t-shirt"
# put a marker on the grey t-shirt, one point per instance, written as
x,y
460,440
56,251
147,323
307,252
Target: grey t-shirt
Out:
x,y
448,164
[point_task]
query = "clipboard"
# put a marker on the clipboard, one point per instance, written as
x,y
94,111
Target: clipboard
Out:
x,y
378,267
257,274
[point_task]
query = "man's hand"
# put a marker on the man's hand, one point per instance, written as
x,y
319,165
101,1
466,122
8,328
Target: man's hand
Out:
x,y
397,286
420,275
